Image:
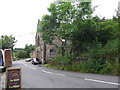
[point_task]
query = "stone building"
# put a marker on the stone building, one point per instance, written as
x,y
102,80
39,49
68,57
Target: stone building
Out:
x,y
33,54
46,51
43,51
40,47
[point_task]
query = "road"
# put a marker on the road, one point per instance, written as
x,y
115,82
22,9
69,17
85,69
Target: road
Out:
x,y
35,76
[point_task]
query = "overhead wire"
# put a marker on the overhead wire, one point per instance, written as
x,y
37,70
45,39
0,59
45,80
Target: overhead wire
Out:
x,y
22,35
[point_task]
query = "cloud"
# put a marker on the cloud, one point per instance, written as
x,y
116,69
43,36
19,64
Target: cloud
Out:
x,y
19,17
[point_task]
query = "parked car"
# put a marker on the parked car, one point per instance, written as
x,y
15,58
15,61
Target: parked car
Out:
x,y
35,61
2,67
28,59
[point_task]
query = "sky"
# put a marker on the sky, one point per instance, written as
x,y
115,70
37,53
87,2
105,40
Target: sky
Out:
x,y
19,17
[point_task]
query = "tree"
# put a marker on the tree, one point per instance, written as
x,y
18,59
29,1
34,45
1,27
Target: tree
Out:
x,y
65,19
74,22
29,49
107,30
8,42
22,54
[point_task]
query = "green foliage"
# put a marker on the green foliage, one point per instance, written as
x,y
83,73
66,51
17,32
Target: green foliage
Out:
x,y
94,66
111,68
107,30
60,60
8,42
95,38
111,47
64,59
21,54
24,52
29,49
91,66
94,50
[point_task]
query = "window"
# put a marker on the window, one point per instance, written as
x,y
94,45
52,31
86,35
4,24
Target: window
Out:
x,y
52,53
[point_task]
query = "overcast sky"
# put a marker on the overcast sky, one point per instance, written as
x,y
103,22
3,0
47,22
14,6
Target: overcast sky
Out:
x,y
19,17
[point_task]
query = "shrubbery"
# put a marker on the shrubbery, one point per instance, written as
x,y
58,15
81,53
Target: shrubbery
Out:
x,y
90,66
101,59
90,37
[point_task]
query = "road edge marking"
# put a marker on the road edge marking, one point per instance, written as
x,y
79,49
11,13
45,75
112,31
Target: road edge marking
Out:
x,y
100,81
53,73
59,74
47,72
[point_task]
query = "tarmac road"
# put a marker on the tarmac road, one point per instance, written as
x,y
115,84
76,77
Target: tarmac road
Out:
x,y
35,76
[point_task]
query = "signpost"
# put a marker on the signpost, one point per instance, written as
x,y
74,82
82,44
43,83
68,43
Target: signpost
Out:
x,y
13,78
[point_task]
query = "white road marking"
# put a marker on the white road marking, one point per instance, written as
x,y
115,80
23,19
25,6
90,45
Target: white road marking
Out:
x,y
53,73
47,72
42,70
31,67
27,65
65,75
102,81
59,74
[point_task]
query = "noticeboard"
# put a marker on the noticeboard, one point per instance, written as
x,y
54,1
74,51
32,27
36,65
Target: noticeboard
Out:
x,y
13,78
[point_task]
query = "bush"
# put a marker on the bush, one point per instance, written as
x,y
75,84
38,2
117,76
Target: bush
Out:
x,y
111,68
21,54
61,60
64,59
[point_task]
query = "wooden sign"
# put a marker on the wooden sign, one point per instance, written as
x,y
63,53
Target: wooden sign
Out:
x,y
13,78
8,58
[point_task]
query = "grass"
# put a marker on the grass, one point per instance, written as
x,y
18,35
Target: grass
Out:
x,y
84,69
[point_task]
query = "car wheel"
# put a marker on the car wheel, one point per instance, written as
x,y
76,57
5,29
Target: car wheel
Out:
x,y
40,62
